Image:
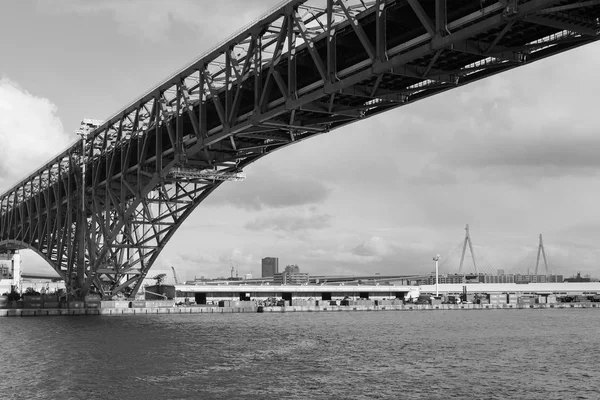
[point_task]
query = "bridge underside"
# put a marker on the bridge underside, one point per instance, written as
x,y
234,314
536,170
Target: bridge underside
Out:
x,y
300,71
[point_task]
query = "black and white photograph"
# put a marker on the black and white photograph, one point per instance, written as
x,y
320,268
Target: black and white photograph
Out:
x,y
299,199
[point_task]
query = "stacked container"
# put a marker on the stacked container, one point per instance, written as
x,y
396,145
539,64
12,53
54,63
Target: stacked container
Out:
x,y
32,301
526,300
76,305
134,304
92,301
498,299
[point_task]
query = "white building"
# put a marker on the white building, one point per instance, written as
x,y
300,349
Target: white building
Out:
x,y
10,271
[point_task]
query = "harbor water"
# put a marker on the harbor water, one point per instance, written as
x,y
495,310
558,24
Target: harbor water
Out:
x,y
483,354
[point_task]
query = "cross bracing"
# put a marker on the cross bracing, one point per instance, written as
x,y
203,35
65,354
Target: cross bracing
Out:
x,y
303,69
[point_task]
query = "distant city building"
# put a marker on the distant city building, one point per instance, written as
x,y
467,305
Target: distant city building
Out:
x,y
270,266
446,278
577,278
500,272
292,269
5,271
10,271
291,276
499,278
6,266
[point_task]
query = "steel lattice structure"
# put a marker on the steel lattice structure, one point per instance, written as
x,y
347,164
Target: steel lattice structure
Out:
x,y
301,70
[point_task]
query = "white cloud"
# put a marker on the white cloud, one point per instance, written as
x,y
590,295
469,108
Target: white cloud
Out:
x,y
291,222
352,258
270,189
374,246
238,256
30,133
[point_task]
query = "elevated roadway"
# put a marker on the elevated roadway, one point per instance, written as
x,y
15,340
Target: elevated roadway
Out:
x,y
101,212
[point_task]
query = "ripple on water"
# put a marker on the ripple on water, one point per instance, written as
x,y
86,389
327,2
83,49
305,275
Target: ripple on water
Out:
x,y
519,354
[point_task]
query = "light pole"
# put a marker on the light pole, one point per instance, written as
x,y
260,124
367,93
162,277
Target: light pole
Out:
x,y
86,130
83,138
436,259
82,229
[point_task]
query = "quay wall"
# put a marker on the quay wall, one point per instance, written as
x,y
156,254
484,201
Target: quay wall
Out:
x,y
215,310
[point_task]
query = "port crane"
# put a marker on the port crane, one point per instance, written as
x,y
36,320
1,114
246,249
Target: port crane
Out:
x,y
175,276
160,278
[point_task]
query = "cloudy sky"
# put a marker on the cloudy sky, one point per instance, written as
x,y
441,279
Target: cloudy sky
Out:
x,y
514,156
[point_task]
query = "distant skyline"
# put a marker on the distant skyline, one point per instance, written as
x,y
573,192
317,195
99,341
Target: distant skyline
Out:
x,y
513,156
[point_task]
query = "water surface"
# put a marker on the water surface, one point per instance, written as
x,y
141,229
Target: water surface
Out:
x,y
468,354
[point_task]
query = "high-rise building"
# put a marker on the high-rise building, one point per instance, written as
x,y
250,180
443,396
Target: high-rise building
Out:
x,y
291,276
270,266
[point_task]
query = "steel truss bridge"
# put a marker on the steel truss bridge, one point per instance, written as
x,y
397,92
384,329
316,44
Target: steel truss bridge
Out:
x,y
101,212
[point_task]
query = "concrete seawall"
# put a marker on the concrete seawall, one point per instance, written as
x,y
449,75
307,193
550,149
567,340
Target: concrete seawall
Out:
x,y
215,310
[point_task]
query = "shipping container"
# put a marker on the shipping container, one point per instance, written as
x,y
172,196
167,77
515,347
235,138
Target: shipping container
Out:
x,y
76,304
32,304
92,304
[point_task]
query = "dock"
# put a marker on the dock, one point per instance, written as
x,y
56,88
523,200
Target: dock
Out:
x,y
42,312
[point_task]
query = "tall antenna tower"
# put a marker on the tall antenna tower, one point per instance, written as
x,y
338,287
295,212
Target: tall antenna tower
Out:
x,y
543,253
462,257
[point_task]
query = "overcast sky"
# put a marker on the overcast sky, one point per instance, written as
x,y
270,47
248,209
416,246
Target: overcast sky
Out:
x,y
514,156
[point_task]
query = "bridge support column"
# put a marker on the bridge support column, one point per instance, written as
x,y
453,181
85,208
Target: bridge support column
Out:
x,y
79,280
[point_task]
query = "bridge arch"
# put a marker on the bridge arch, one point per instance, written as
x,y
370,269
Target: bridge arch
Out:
x,y
297,72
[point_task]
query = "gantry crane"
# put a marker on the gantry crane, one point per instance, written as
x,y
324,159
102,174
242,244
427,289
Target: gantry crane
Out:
x,y
175,276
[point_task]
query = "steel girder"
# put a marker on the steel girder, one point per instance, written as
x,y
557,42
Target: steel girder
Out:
x,y
299,71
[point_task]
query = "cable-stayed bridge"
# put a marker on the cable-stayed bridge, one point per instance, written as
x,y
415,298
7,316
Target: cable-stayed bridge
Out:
x,y
466,258
101,212
537,262
469,259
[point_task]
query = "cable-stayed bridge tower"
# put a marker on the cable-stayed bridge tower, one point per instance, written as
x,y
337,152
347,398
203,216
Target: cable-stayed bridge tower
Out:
x,y
466,242
542,252
531,263
101,212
